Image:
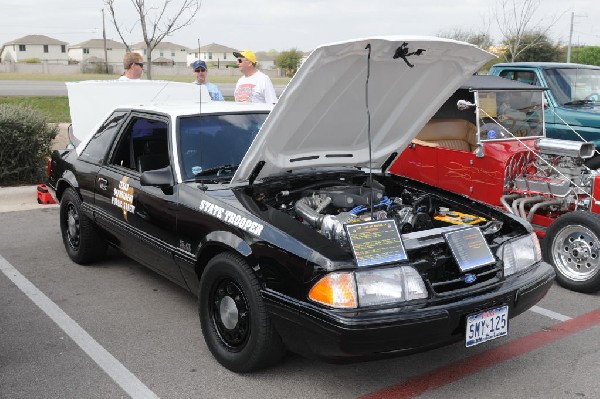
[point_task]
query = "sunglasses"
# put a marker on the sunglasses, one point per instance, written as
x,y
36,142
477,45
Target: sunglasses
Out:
x,y
200,70
240,60
140,64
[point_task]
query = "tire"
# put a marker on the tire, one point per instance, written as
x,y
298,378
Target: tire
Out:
x,y
80,236
572,246
234,321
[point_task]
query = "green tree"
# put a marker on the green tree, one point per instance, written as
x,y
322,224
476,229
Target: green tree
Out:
x,y
589,55
536,47
289,61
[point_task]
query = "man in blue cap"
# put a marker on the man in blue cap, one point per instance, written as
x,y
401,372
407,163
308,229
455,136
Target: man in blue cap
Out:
x,y
200,72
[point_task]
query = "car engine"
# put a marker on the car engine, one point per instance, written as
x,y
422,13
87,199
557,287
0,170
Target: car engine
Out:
x,y
330,207
554,180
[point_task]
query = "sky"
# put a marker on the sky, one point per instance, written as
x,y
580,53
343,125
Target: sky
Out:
x,y
262,25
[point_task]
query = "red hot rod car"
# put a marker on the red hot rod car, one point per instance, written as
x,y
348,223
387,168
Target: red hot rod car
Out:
x,y
488,142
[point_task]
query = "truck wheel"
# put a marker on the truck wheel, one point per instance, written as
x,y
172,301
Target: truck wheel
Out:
x,y
234,321
81,239
572,246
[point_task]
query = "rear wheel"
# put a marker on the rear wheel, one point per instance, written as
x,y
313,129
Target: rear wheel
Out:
x,y
572,246
79,234
234,321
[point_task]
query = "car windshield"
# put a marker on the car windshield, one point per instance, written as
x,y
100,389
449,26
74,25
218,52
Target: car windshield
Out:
x,y
509,114
212,146
574,86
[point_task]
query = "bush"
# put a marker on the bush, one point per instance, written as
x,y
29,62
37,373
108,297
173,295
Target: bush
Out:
x,y
26,139
31,61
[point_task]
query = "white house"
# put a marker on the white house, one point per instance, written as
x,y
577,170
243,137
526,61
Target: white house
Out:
x,y
40,47
165,53
216,55
264,60
93,51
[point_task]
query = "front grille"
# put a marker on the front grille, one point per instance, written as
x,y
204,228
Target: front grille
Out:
x,y
460,280
442,274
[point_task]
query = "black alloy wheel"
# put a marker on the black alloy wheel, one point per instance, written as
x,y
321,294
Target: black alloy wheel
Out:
x,y
236,326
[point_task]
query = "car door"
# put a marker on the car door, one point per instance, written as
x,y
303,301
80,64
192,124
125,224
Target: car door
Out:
x,y
141,218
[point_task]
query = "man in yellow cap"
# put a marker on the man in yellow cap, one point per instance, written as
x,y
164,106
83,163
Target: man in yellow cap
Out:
x,y
254,86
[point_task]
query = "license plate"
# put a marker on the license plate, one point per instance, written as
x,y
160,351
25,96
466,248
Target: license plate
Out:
x,y
487,325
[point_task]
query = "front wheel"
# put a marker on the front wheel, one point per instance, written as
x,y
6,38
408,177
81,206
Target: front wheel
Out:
x,y
234,321
572,246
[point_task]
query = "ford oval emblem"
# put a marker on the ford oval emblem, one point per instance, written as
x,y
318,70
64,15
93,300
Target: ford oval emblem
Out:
x,y
469,278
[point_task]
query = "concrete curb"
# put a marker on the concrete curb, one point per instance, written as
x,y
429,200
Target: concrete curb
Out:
x,y
20,198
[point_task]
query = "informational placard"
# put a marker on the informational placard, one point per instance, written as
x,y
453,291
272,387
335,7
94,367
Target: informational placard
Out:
x,y
375,243
469,248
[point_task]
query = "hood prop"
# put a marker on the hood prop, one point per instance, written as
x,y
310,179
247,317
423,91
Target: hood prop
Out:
x,y
368,47
255,172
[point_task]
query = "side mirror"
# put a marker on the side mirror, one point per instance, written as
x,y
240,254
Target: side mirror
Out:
x,y
162,178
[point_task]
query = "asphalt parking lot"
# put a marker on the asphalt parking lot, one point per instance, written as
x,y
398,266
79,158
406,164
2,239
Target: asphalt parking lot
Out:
x,y
116,329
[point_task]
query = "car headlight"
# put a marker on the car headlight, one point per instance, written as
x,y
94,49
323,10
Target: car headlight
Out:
x,y
520,254
369,287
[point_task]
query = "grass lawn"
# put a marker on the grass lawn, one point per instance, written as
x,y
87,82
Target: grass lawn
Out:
x,y
56,108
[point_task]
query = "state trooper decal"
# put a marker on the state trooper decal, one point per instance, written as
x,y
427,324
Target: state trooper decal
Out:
x,y
231,218
123,197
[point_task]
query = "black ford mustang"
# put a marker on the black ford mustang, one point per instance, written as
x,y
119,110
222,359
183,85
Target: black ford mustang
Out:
x,y
285,223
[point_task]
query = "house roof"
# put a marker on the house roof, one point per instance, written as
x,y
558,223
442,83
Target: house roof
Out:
x,y
160,46
214,48
98,43
36,39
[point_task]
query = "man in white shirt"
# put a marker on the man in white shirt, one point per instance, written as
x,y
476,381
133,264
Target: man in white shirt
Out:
x,y
133,63
254,86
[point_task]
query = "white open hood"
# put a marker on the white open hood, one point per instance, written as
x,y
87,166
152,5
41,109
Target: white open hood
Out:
x,y
321,118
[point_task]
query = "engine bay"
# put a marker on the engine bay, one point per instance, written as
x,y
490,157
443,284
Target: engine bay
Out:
x,y
331,205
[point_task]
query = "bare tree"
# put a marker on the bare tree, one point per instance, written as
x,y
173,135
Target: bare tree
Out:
x,y
155,22
517,19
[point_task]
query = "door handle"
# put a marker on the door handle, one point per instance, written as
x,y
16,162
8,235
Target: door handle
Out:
x,y
102,184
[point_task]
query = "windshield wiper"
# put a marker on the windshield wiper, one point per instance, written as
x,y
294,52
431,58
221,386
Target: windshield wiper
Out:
x,y
219,171
215,175
579,102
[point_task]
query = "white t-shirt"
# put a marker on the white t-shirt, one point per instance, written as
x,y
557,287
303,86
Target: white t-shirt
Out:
x,y
256,88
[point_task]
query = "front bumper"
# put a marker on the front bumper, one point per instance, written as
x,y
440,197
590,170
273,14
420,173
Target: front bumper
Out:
x,y
339,336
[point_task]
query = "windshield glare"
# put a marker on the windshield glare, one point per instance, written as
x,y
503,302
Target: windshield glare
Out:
x,y
210,141
509,114
570,85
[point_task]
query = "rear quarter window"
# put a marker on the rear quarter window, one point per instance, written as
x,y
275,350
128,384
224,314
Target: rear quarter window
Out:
x,y
95,151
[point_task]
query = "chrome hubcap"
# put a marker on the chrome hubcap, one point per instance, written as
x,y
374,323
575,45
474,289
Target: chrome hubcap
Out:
x,y
229,312
576,253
